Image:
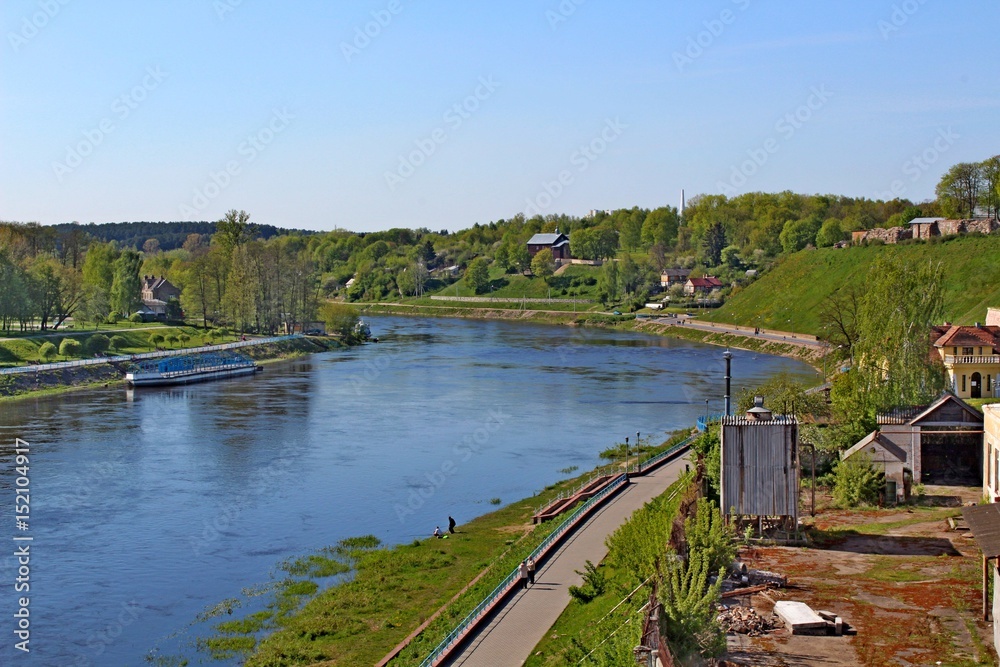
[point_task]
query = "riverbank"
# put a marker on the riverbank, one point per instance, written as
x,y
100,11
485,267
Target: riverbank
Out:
x,y
811,355
392,590
47,383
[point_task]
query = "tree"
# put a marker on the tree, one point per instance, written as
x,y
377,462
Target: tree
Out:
x,y
151,246
99,265
155,339
990,197
520,258
893,365
135,318
797,234
715,241
543,265
94,306
857,482
783,394
661,227
46,351
98,344
477,275
234,230
608,284
171,339
829,233
126,287
69,347
959,189
184,338
340,318
838,316
118,343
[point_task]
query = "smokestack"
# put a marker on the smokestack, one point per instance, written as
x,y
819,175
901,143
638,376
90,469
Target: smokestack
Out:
x,y
683,202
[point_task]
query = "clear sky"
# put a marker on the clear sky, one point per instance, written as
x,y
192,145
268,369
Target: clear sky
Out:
x,y
449,113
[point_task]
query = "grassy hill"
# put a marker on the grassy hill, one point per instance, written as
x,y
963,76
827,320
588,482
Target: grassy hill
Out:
x,y
790,295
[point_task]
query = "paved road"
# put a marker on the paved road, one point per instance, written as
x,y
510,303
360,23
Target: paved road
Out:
x,y
769,334
523,621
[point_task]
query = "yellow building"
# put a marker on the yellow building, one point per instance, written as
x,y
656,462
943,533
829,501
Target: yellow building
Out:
x,y
991,452
971,357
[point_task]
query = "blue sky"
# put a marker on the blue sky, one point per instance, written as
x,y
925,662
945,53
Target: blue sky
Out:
x,y
449,113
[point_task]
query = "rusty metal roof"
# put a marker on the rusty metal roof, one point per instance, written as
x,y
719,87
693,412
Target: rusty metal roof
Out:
x,y
984,520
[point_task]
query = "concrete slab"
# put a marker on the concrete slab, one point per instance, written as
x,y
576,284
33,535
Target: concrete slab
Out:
x,y
799,618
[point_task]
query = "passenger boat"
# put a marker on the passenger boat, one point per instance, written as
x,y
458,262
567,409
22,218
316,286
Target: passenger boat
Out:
x,y
190,368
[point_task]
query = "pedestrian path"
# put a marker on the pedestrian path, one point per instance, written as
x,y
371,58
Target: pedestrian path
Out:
x,y
516,628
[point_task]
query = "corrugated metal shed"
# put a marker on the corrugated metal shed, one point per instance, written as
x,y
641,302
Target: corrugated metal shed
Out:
x,y
760,466
984,520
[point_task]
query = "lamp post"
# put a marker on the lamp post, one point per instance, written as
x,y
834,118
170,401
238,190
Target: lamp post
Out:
x,y
626,457
728,356
638,455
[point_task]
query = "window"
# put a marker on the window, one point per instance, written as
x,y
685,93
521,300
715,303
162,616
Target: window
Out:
x,y
963,383
967,351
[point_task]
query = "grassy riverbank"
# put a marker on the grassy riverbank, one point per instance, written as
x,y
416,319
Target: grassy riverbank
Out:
x,y
389,592
47,383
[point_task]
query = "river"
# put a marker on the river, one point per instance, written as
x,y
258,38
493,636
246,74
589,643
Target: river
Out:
x,y
149,506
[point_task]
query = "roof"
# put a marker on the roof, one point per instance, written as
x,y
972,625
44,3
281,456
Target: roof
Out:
x,y
957,336
546,239
924,221
984,520
873,438
945,398
708,281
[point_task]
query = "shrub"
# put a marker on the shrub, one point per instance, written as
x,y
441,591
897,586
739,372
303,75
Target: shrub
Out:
x,y
594,583
46,351
118,342
135,318
172,339
98,344
155,339
69,347
857,482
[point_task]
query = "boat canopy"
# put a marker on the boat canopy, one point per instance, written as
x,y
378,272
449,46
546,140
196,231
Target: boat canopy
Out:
x,y
194,362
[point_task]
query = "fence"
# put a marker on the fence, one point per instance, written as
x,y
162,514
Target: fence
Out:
x,y
505,586
705,420
125,358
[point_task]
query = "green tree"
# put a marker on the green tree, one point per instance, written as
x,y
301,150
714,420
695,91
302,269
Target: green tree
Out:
x,y
118,343
135,318
155,339
661,227
126,286
98,344
829,233
520,258
990,192
797,234
712,246
609,284
340,318
785,395
477,275
689,614
46,351
171,339
893,365
69,347
857,481
542,264
99,265
234,230
184,339
960,188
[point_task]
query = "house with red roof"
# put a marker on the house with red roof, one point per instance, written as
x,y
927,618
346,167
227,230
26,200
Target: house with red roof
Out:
x,y
971,358
702,285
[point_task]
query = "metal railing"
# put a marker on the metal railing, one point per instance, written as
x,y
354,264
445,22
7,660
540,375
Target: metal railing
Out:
x,y
125,358
665,454
511,579
704,420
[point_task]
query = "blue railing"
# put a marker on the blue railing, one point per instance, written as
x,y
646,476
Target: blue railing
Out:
x,y
655,460
705,420
124,358
511,579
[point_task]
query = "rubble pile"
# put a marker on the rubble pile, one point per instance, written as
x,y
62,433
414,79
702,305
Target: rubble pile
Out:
x,y
745,621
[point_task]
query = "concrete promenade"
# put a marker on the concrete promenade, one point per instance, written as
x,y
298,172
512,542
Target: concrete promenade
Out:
x,y
519,625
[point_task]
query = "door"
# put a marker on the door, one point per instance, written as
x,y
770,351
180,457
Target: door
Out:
x,y
976,390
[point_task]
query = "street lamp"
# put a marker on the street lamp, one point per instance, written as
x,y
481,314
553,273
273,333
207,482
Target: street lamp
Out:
x,y
728,356
626,457
638,454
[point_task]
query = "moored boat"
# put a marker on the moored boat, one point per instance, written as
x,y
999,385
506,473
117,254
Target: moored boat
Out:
x,y
190,368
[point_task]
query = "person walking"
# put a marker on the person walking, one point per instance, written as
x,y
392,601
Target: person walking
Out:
x,y
524,574
531,570
451,525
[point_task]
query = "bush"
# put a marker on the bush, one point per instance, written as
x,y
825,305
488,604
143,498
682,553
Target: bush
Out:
x,y
135,318
118,342
46,351
594,583
98,344
857,482
69,347
155,339
172,339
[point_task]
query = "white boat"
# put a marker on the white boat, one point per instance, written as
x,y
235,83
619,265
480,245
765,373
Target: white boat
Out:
x,y
190,368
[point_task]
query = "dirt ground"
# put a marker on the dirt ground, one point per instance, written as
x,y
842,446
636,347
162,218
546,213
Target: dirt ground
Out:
x,y
907,584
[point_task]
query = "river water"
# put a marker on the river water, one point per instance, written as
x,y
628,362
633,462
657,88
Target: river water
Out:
x,y
147,507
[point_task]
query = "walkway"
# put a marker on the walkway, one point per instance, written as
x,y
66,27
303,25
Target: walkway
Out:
x,y
512,634
802,340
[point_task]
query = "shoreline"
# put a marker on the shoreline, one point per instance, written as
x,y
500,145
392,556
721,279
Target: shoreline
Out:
x,y
564,318
63,381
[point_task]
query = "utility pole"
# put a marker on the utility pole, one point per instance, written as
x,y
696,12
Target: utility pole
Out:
x,y
728,356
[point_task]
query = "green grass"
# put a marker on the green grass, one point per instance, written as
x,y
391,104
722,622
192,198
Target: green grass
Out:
x,y
20,351
789,296
572,283
978,403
